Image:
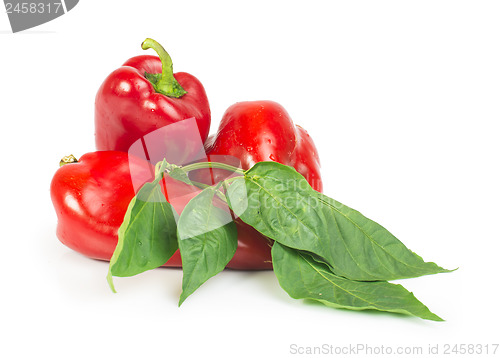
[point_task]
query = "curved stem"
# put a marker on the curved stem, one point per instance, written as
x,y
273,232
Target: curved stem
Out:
x,y
209,165
166,83
214,165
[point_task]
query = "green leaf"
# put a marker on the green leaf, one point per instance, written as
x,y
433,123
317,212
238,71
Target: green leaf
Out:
x,y
368,249
178,173
278,202
207,240
147,237
304,277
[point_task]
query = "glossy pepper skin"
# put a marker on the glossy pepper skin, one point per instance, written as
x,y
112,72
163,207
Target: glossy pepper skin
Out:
x,y
144,95
90,198
258,131
92,195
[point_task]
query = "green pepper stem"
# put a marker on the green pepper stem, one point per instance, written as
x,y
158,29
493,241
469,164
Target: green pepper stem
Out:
x,y
166,84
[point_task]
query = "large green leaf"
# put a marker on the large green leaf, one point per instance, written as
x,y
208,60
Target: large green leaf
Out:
x,y
304,277
368,249
278,202
147,237
207,240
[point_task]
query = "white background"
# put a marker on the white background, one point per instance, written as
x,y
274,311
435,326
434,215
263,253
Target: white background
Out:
x,y
401,98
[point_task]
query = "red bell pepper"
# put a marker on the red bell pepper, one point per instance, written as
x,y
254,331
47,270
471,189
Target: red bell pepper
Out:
x,y
261,131
144,95
91,197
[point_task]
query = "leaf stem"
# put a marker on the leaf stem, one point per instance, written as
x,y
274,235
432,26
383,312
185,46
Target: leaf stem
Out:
x,y
219,194
213,165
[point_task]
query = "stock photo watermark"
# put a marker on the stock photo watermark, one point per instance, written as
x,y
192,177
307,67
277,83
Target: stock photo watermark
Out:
x,y
363,349
25,15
